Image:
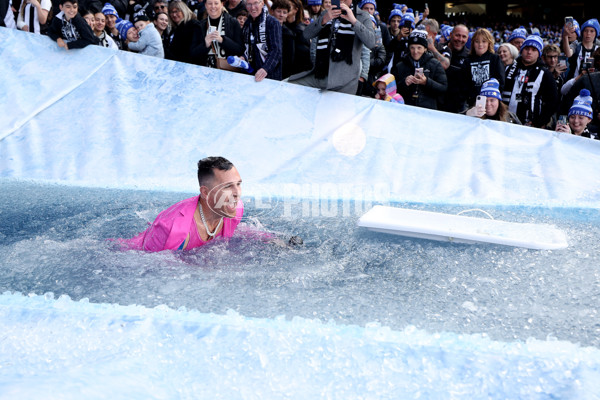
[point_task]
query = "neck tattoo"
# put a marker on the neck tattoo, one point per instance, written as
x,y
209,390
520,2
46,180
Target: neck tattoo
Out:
x,y
213,233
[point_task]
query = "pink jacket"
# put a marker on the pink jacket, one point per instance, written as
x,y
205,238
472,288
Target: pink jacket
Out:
x,y
172,226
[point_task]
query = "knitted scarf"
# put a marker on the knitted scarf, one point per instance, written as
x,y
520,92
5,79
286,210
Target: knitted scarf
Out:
x,y
250,40
335,41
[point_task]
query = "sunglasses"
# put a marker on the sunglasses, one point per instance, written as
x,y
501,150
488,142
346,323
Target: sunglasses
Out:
x,y
160,7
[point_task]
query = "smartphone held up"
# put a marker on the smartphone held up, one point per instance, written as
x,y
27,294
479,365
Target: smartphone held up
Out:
x,y
480,101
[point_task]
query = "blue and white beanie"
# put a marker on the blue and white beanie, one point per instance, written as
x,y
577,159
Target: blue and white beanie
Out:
x,y
395,13
364,2
109,9
399,6
446,31
577,27
408,17
123,26
519,33
314,2
534,41
582,105
591,23
491,88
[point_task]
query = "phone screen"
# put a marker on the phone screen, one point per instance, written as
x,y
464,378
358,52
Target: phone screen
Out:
x,y
418,71
335,3
562,119
569,21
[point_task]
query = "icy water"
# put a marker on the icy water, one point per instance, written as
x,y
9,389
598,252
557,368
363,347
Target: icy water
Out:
x,y
53,239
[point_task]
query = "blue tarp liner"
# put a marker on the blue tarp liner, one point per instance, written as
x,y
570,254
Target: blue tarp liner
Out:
x,y
110,119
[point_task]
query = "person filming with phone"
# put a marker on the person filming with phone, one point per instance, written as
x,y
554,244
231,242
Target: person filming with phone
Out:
x,y
420,78
555,63
587,80
579,117
489,105
580,53
340,32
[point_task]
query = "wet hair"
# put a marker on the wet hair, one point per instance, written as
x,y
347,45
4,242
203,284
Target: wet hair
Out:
x,y
207,165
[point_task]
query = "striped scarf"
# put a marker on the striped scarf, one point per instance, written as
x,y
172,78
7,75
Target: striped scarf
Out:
x,y
335,41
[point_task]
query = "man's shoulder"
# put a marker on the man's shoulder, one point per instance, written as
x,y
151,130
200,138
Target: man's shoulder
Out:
x,y
362,16
272,20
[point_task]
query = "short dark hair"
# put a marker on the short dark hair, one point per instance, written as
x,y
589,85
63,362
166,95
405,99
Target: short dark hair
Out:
x,y
62,2
207,165
284,4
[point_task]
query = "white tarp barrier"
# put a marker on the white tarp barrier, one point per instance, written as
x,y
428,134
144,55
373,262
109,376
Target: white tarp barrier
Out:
x,y
97,117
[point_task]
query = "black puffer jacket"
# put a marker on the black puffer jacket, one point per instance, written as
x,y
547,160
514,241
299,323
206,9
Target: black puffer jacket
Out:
x,y
421,95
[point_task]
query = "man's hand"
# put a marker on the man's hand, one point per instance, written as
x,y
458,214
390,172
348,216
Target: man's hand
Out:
x,y
349,15
260,75
62,43
560,68
567,30
331,13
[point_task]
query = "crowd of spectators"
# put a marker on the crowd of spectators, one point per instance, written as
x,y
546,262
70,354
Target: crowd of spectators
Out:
x,y
539,75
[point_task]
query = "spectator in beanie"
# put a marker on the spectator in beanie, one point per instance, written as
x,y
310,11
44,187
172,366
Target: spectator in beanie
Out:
x,y
530,89
127,32
420,87
112,17
149,42
103,37
579,117
494,108
397,48
314,8
517,37
584,50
